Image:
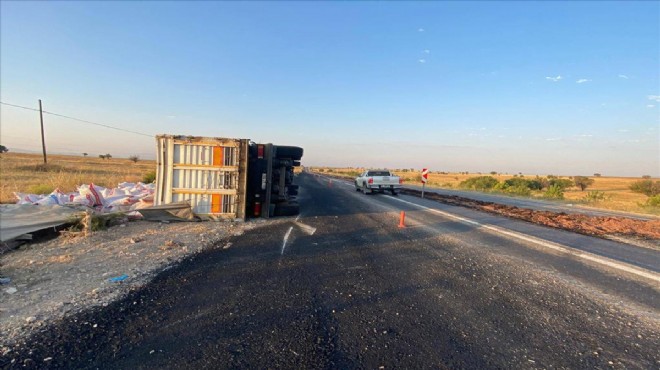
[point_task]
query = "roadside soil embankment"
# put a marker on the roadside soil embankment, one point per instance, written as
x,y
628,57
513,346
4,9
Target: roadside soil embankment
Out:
x,y
590,225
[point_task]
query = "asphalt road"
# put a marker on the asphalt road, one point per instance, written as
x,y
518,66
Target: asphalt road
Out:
x,y
344,287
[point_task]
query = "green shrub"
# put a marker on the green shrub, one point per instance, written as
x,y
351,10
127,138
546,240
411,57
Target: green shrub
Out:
x,y
520,183
149,177
653,201
41,189
647,187
594,196
561,183
519,190
479,183
554,192
500,186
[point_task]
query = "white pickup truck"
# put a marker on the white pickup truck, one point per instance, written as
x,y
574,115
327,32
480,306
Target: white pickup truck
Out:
x,y
378,180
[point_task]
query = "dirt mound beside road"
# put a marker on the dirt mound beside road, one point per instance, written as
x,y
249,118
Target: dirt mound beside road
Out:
x,y
584,224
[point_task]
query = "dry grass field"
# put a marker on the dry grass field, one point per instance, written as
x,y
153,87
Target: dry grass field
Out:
x,y
616,190
26,173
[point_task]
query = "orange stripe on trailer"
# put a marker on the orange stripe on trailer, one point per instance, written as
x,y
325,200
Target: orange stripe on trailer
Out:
x,y
217,155
216,203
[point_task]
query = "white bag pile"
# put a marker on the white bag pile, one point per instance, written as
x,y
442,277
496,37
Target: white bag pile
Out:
x,y
127,196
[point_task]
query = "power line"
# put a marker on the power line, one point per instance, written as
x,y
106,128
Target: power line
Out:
x,y
78,119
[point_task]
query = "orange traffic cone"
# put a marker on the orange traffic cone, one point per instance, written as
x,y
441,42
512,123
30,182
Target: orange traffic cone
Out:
x,y
402,219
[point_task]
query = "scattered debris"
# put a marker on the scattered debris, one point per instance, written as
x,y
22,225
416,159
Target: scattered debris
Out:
x,y
4,280
58,277
118,278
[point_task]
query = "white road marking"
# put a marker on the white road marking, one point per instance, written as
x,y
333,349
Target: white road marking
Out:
x,y
286,238
306,228
548,244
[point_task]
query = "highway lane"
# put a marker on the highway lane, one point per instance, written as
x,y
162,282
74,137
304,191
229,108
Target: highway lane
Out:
x,y
344,287
634,255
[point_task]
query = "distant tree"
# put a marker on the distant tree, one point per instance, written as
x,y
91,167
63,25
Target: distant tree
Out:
x,y
647,187
582,182
3,149
134,158
597,174
108,156
493,173
646,176
102,156
85,154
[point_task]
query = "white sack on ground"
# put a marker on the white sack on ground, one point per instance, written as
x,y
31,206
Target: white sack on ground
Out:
x,y
127,196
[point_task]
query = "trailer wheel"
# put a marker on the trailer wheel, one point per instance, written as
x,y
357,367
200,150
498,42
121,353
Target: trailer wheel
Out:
x,y
293,152
287,209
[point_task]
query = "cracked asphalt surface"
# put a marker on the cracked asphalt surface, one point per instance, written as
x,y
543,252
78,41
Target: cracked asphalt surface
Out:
x,y
362,293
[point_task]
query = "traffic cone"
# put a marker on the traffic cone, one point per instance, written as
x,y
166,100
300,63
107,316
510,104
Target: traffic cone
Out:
x,y
402,219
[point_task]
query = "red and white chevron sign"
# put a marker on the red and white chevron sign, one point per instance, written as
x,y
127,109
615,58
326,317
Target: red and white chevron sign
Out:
x,y
425,175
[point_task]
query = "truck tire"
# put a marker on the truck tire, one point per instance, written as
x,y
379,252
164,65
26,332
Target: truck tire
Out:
x,y
287,209
293,152
395,192
357,188
282,162
365,189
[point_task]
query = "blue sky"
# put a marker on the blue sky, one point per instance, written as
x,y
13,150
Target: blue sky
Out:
x,y
534,87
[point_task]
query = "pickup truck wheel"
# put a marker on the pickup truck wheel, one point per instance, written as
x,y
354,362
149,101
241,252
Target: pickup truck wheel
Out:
x,y
357,188
395,192
366,190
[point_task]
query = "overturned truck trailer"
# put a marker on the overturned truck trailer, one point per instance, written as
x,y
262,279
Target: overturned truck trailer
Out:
x,y
226,178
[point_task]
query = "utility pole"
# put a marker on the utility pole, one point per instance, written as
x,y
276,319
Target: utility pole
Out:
x,y
43,140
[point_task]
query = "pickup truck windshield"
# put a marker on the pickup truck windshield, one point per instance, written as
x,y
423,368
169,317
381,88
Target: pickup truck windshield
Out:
x,y
378,173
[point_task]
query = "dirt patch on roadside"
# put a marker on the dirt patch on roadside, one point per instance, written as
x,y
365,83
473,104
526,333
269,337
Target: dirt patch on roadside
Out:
x,y
60,277
590,225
